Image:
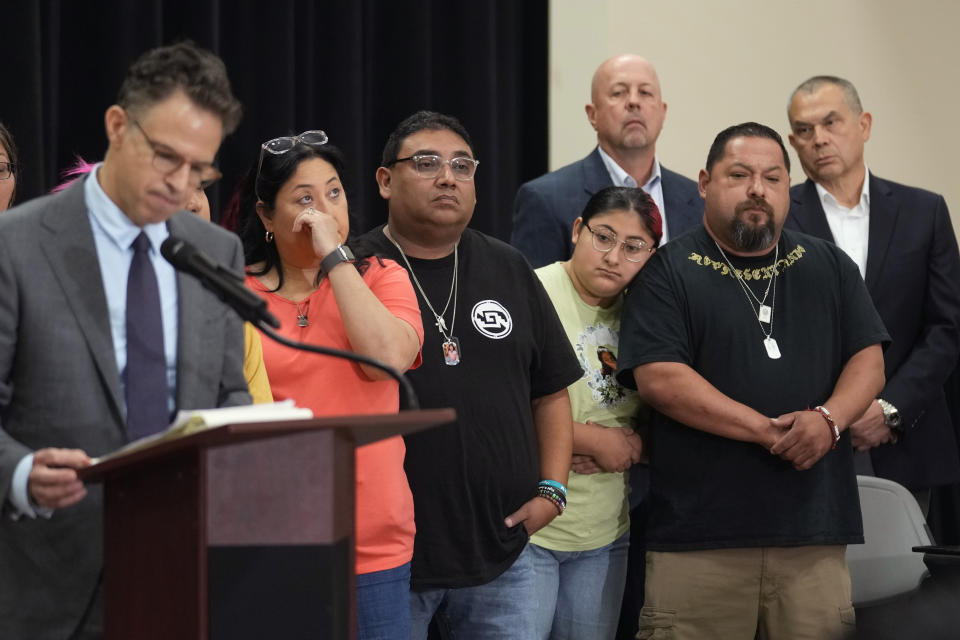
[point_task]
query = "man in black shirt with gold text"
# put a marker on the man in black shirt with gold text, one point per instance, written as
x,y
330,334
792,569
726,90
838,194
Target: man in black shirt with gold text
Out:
x,y
757,347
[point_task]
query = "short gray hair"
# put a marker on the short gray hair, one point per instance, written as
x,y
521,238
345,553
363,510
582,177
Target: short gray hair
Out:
x,y
850,95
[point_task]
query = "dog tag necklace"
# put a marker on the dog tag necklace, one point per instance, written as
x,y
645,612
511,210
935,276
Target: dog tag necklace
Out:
x,y
451,346
765,313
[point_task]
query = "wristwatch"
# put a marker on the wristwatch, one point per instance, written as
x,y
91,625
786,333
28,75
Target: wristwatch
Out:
x,y
891,417
335,257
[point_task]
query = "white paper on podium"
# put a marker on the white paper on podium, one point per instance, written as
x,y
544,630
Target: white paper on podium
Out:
x,y
188,422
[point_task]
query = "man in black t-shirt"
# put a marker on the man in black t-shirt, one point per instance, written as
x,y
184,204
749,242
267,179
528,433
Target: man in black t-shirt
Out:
x,y
495,351
758,348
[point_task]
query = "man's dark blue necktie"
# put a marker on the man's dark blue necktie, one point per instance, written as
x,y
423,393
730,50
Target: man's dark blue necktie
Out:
x,y
146,372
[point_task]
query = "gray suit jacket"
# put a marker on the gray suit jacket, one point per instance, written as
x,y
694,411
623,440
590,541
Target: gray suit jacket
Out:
x,y
59,387
545,208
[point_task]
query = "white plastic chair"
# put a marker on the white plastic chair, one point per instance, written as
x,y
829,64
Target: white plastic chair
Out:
x,y
884,566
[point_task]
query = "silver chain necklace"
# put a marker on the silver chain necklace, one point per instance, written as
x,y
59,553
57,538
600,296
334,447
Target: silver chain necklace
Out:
x,y
764,313
761,302
451,345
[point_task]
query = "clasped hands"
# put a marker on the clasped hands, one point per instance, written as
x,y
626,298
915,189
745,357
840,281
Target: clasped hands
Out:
x,y
800,437
870,430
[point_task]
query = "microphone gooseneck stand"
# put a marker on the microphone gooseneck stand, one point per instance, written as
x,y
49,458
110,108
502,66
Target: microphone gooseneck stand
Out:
x,y
227,286
408,393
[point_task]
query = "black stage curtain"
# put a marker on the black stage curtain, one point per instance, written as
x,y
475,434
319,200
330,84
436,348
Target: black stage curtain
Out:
x,y
353,68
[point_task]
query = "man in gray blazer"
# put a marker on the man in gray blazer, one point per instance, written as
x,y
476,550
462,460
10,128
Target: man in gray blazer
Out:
x,y
68,339
627,112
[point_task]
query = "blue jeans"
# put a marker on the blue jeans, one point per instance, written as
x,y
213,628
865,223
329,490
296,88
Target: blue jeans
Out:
x,y
579,592
503,609
382,604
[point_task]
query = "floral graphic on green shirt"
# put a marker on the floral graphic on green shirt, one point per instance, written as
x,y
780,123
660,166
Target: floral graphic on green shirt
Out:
x,y
596,348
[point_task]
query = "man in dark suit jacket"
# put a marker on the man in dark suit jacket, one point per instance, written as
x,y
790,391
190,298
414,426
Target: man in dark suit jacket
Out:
x,y
903,241
66,346
627,112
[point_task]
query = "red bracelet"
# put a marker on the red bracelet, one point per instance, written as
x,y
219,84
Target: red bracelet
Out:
x,y
831,424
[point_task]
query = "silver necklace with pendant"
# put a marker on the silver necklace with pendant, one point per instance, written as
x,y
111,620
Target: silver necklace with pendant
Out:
x,y
302,320
451,345
764,313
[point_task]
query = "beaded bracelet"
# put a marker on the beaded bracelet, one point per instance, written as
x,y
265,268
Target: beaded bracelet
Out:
x,y
550,491
554,496
556,503
831,424
555,485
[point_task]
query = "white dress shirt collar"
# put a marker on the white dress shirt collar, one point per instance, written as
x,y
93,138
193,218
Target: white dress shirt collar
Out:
x,y
850,227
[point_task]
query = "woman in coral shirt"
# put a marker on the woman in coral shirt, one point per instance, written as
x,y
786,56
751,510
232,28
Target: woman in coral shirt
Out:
x,y
293,222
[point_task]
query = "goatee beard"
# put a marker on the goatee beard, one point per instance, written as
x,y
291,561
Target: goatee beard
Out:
x,y
749,238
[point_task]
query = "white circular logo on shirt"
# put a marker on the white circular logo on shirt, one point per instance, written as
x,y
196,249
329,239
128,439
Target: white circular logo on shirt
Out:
x,y
492,319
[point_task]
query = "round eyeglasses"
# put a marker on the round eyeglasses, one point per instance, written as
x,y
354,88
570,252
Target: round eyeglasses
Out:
x,y
605,240
167,161
430,166
7,170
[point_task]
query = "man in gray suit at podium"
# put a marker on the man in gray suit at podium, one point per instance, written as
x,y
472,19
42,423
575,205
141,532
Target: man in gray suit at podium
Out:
x,y
100,339
627,111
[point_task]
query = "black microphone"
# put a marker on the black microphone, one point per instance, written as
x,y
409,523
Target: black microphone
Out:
x,y
221,281
218,279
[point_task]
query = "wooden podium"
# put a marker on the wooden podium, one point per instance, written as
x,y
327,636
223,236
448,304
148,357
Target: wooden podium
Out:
x,y
242,531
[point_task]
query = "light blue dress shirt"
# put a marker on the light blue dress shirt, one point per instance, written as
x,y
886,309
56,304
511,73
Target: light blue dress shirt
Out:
x,y
653,187
113,236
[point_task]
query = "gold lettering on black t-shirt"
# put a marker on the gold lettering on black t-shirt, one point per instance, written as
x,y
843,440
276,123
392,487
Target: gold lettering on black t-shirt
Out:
x,y
759,273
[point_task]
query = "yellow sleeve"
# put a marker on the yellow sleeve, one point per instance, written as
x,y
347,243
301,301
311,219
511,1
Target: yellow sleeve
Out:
x,y
253,368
